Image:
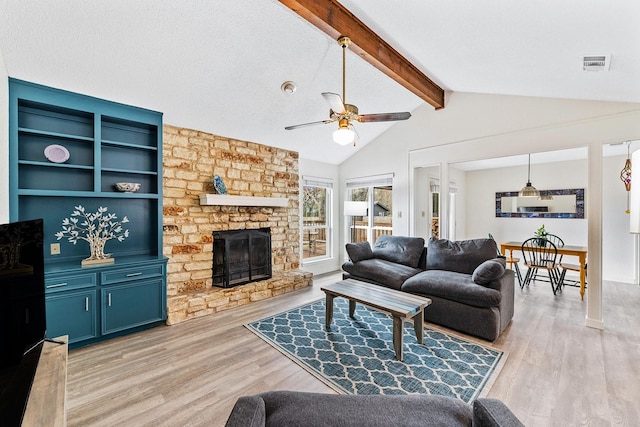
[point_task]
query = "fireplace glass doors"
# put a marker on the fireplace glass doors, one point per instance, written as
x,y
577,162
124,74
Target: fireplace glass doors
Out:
x,y
241,256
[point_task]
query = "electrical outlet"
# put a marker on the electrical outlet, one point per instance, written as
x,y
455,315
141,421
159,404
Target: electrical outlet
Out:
x,y
55,249
399,214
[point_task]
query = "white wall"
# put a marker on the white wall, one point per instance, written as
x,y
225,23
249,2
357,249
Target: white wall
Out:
x,y
480,201
327,171
4,142
494,125
618,262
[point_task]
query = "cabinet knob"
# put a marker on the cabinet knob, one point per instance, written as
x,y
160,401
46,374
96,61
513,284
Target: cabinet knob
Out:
x,y
86,304
109,299
133,274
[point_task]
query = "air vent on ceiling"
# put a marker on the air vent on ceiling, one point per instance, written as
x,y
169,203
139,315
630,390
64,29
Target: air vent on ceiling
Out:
x,y
595,62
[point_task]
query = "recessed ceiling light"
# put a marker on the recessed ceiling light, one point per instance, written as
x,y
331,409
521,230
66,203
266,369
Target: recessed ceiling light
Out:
x,y
288,87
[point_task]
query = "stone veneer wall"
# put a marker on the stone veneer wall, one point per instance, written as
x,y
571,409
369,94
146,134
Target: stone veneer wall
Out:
x,y
190,160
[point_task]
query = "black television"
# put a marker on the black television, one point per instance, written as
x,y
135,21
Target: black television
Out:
x,y
22,313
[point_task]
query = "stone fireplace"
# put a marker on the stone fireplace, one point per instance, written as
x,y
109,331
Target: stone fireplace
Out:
x,y
190,160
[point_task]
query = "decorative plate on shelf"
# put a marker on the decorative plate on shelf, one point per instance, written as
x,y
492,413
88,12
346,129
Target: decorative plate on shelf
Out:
x,y
56,153
218,184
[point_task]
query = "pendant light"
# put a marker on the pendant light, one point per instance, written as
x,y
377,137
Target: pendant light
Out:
x,y
529,190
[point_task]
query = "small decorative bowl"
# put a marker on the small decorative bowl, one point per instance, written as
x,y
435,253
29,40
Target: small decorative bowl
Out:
x,y
127,187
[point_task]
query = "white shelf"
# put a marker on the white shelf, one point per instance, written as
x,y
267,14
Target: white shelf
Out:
x,y
226,200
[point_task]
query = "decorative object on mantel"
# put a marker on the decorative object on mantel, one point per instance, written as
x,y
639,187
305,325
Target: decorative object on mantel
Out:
x,y
97,229
226,200
218,184
529,190
127,187
56,153
625,175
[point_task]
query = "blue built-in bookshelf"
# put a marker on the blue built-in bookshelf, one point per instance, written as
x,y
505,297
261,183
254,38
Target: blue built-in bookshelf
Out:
x,y
105,142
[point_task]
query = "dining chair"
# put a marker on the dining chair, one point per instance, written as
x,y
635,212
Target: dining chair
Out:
x,y
511,261
556,240
540,254
570,267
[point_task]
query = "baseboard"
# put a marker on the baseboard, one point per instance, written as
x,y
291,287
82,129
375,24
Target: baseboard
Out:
x,y
592,323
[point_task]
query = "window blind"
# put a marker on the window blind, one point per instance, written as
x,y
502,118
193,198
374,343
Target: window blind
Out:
x,y
371,181
310,181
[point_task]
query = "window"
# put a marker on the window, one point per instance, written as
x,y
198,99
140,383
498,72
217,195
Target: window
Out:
x,y
369,208
316,218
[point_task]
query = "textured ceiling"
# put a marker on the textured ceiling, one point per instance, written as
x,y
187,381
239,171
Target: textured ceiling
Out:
x,y
218,65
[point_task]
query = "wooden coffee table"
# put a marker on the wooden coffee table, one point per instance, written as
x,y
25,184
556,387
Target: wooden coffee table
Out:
x,y
400,305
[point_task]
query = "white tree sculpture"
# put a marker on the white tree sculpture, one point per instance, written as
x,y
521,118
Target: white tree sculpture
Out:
x,y
96,228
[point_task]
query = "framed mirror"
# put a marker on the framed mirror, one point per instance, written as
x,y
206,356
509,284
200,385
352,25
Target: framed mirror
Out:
x,y
567,203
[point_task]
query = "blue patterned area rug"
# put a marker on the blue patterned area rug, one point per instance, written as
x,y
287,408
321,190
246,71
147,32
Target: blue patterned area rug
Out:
x,y
356,356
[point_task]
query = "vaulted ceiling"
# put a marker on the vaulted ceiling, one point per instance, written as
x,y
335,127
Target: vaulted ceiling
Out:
x,y
218,65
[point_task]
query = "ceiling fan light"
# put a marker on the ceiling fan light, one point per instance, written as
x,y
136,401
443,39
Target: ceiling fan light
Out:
x,y
343,136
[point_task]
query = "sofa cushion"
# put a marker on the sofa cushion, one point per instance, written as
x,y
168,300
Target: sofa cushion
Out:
x,y
462,256
288,408
452,286
488,271
359,251
381,271
400,249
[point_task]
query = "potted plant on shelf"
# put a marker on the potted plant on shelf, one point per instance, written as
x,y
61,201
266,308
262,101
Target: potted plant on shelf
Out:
x,y
541,234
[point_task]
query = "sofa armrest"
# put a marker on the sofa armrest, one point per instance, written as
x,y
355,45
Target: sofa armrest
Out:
x,y
506,286
493,413
249,411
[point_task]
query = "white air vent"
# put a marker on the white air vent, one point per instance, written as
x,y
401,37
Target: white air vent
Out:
x,y
596,62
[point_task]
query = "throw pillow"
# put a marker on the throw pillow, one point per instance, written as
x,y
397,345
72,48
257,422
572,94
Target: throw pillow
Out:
x,y
359,251
461,256
487,272
399,249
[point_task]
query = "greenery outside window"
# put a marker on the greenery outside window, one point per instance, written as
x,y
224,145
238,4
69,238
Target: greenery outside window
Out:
x,y
317,233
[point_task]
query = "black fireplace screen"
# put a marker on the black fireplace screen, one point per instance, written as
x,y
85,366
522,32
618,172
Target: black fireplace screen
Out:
x,y
241,256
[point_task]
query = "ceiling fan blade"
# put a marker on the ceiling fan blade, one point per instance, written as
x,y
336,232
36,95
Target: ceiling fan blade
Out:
x,y
309,124
335,102
384,117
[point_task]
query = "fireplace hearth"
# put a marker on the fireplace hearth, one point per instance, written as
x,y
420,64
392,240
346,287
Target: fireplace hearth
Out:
x,y
241,256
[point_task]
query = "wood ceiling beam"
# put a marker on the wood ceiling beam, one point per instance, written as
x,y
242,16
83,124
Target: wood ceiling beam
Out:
x,y
335,20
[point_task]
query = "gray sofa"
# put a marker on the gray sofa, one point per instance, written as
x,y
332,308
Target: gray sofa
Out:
x,y
470,288
291,409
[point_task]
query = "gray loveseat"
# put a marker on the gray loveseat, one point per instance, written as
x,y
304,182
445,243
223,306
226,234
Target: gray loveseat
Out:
x,y
470,288
291,409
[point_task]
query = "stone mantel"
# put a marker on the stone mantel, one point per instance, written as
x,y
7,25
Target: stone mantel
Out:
x,y
227,200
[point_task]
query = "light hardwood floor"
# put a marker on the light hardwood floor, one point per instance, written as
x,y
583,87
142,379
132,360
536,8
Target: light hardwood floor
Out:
x,y
558,372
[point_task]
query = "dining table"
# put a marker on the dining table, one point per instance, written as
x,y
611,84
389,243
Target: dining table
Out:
x,y
570,250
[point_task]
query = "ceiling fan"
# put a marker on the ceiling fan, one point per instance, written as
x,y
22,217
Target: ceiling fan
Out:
x,y
344,113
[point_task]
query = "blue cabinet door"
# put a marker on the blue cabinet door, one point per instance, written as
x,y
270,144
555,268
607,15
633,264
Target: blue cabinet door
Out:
x,y
72,314
134,304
